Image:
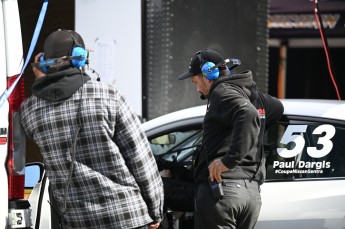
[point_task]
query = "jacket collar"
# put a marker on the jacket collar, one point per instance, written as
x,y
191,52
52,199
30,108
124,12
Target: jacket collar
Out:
x,y
60,85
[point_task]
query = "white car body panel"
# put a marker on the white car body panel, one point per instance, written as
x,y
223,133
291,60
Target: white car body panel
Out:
x,y
331,109
303,204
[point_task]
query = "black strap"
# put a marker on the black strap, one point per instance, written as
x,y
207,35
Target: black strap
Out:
x,y
261,148
259,163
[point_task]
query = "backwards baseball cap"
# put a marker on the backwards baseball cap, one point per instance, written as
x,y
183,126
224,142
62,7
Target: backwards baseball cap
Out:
x,y
200,58
61,43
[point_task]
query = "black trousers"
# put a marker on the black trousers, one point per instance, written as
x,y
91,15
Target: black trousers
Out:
x,y
238,209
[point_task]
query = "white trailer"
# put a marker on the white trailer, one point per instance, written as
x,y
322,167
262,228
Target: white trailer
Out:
x,y
14,209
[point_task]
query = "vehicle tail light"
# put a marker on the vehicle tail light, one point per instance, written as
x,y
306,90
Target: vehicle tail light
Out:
x,y
16,142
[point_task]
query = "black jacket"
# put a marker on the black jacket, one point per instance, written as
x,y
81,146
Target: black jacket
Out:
x,y
234,126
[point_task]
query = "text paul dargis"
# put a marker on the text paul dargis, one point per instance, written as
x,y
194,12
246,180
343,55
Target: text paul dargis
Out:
x,y
301,165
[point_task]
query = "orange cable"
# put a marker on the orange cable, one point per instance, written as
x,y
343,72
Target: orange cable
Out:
x,y
326,51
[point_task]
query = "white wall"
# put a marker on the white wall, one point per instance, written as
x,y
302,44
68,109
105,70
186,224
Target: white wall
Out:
x,y
112,28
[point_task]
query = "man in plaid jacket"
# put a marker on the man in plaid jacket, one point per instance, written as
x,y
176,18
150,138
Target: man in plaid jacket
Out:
x,y
97,158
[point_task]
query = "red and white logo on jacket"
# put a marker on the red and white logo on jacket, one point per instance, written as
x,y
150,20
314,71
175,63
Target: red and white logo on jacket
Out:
x,y
262,113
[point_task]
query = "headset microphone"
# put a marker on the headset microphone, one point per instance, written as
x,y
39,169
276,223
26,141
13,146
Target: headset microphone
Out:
x,y
94,71
218,65
45,63
203,97
235,63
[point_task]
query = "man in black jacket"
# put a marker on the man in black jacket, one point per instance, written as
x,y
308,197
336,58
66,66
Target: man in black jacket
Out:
x,y
230,166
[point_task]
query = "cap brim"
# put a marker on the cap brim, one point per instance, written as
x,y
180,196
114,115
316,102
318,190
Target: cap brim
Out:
x,y
185,75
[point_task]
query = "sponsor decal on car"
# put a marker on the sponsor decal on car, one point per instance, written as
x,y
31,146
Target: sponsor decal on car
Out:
x,y
293,138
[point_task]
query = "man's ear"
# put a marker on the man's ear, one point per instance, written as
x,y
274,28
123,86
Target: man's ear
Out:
x,y
207,80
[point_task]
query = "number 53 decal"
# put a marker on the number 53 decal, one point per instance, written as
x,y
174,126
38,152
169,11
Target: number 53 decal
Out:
x,y
291,136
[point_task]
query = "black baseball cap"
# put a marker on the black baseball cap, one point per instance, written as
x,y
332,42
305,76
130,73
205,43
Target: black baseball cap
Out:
x,y
61,42
200,58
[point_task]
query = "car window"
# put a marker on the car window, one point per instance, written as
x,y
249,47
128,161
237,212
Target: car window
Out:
x,y
176,145
305,149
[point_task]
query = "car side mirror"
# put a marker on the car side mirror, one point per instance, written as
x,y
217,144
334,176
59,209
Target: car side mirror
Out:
x,y
33,174
166,139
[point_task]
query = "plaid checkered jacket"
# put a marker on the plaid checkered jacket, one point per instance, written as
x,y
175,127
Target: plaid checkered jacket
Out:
x,y
115,181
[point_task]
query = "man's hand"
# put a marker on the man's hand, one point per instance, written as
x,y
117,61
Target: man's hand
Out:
x,y
216,168
38,72
165,173
153,226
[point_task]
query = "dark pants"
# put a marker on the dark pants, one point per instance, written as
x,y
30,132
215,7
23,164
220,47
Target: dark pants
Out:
x,y
238,209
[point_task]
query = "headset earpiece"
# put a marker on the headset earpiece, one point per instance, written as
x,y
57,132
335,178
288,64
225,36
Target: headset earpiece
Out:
x,y
80,56
208,71
42,60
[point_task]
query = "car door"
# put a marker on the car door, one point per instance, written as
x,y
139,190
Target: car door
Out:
x,y
305,185
174,148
